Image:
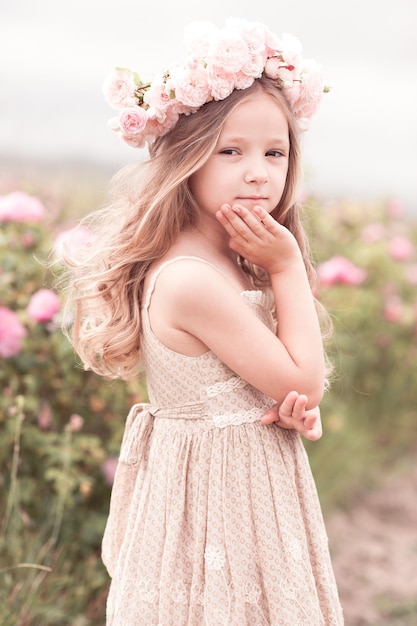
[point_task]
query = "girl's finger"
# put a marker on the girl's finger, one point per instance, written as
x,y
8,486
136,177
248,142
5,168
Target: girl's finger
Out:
x,y
271,415
300,404
287,407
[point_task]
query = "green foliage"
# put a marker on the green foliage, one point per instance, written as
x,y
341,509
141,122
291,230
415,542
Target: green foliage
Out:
x,y
59,424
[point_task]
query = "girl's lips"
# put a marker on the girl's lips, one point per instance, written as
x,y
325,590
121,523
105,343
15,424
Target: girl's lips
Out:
x,y
254,198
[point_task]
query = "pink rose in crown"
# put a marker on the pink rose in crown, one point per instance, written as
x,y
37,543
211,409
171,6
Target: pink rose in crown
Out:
x,y
157,96
192,87
43,305
253,68
229,51
20,207
132,120
340,270
272,67
253,34
167,121
221,83
119,88
243,80
12,333
310,92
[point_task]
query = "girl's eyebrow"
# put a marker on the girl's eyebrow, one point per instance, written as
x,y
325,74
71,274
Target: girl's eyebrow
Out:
x,y
275,139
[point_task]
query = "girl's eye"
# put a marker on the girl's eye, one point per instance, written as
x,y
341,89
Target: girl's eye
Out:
x,y
229,151
274,153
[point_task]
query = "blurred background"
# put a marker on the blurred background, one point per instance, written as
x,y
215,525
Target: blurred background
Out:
x,y
60,427
55,56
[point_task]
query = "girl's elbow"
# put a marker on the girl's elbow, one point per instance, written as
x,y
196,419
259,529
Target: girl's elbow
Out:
x,y
314,394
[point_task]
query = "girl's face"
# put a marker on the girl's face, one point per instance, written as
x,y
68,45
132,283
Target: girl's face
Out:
x,y
250,161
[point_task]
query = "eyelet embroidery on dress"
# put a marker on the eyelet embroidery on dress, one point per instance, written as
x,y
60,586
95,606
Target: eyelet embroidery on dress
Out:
x,y
179,592
215,557
252,593
147,590
295,549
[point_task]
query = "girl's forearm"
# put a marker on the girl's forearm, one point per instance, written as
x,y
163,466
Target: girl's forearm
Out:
x,y
299,329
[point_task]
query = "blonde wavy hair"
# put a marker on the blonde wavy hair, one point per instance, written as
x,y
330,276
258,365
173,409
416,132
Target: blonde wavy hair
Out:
x,y
149,205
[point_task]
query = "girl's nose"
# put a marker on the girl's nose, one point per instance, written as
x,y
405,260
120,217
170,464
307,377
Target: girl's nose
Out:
x,y
256,173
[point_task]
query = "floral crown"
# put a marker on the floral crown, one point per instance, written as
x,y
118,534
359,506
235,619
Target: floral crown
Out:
x,y
218,61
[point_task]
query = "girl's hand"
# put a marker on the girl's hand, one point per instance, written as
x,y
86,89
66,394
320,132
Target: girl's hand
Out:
x,y
260,239
291,414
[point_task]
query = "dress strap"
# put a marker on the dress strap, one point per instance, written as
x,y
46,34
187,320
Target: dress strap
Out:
x,y
161,267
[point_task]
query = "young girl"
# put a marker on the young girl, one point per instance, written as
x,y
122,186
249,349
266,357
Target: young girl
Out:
x,y
200,271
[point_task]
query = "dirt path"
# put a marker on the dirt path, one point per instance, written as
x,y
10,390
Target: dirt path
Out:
x,y
374,551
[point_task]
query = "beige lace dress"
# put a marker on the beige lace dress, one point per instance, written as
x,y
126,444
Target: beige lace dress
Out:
x,y
214,518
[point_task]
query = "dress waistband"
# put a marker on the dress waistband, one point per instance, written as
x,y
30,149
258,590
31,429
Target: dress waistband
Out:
x,y
195,410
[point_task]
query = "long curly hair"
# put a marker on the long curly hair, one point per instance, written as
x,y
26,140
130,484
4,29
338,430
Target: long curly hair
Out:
x,y
150,203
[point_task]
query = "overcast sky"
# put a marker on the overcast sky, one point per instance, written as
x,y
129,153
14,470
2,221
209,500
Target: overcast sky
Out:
x,y
55,55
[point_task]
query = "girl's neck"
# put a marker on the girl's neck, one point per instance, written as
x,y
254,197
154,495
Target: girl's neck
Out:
x,y
212,245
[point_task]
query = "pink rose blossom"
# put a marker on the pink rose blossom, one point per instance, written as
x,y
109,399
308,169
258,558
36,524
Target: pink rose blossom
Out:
x,y
28,240
76,422
286,77
254,67
310,93
400,248
119,88
221,83
12,333
158,96
72,241
20,207
394,309
340,270
155,121
272,67
373,233
229,51
192,87
132,121
108,469
243,80
135,141
43,305
253,33
312,85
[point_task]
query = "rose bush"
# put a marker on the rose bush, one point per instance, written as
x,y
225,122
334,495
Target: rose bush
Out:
x,y
60,430
366,256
